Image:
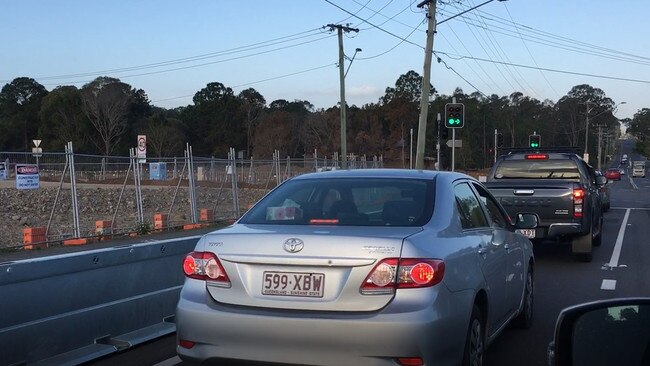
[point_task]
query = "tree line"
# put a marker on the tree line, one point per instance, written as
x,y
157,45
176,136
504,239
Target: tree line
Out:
x,y
105,115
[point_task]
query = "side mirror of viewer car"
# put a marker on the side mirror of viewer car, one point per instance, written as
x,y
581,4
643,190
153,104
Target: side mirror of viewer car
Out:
x,y
526,221
607,332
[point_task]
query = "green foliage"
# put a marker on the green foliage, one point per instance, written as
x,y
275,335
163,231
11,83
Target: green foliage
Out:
x,y
143,228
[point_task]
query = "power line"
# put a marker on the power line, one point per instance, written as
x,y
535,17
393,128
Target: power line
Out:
x,y
255,82
268,43
459,57
530,53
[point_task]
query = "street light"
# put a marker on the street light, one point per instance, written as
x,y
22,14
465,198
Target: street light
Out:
x,y
351,60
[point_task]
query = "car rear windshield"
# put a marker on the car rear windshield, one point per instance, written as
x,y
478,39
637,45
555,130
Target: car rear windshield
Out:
x,y
346,202
537,169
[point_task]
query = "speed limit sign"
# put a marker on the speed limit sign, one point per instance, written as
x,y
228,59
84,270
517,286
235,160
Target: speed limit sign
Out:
x,y
142,148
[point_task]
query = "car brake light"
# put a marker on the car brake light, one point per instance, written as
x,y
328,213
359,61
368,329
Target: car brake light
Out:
x,y
324,221
186,344
578,198
536,156
410,361
393,273
205,266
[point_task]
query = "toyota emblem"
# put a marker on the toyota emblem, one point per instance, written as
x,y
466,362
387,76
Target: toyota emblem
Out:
x,y
293,245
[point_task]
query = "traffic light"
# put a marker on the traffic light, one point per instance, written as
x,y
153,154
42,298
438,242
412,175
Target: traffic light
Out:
x,y
454,115
534,141
499,139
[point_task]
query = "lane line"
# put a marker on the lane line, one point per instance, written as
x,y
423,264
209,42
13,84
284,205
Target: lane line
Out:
x,y
616,254
629,208
170,362
609,285
632,182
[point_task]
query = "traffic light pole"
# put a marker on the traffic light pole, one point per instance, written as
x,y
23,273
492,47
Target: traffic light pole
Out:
x,y
453,143
495,144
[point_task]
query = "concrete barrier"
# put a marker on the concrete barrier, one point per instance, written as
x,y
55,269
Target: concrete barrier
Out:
x,y
71,308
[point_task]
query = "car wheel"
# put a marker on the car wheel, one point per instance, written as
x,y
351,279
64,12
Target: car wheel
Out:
x,y
599,239
474,344
525,318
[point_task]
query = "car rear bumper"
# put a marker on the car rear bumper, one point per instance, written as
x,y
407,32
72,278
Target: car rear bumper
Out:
x,y
430,323
558,230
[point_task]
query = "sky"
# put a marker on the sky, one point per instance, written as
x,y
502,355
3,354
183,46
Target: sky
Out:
x,y
285,50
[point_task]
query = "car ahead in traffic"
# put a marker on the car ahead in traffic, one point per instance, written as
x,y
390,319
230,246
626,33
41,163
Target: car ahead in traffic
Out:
x,y
638,169
557,185
613,174
359,267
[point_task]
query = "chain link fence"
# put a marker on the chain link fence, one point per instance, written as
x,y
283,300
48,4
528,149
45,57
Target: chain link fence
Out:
x,y
83,196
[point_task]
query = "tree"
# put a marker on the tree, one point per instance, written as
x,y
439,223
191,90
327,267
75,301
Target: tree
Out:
x,y
165,135
20,102
253,104
63,120
106,104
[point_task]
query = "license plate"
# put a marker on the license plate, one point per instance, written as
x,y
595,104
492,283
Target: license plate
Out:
x,y
300,284
529,233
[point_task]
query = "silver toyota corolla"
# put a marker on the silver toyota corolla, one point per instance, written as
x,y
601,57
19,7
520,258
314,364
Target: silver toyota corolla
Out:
x,y
359,267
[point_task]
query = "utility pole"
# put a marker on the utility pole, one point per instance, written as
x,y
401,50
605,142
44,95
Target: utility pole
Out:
x,y
438,143
426,82
600,137
344,145
586,153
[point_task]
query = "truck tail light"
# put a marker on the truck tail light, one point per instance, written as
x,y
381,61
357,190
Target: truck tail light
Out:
x,y
205,266
578,199
394,273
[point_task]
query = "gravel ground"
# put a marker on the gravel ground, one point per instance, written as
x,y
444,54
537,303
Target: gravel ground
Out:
x,y
32,208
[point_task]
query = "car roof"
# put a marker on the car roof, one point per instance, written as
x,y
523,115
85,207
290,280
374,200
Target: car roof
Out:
x,y
383,173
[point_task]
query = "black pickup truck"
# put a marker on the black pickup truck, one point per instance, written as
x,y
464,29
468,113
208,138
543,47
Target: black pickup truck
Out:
x,y
560,187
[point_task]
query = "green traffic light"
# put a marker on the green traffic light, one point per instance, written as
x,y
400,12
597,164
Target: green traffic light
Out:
x,y
454,121
534,144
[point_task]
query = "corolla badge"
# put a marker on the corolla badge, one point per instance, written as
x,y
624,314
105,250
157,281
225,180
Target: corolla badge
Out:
x,y
293,245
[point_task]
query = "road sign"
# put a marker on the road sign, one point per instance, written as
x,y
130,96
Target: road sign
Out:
x,y
27,176
37,152
142,149
459,143
3,170
36,142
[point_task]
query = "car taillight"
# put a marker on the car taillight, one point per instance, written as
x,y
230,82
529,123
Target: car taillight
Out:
x,y
578,198
536,156
205,266
394,273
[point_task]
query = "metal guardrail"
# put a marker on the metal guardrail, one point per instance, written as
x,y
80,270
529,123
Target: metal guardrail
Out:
x,y
71,308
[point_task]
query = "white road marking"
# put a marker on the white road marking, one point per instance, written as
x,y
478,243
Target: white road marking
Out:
x,y
629,208
613,262
632,183
609,285
175,361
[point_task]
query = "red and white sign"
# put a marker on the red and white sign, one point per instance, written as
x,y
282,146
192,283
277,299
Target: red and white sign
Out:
x,y
27,176
142,148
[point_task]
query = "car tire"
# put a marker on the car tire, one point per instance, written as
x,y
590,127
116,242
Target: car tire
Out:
x,y
475,341
525,319
599,239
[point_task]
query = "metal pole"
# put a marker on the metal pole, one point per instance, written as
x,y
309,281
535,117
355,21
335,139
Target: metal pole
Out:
x,y
438,143
453,143
495,144
600,137
453,149
426,86
58,192
119,200
411,152
586,153
73,187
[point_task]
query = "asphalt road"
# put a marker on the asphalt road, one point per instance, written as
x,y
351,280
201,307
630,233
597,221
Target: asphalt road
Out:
x,y
620,268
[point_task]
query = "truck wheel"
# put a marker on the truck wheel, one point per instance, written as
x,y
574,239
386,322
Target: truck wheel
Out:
x,y
582,247
599,239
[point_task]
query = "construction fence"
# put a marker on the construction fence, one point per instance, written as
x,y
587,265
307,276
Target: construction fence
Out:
x,y
89,196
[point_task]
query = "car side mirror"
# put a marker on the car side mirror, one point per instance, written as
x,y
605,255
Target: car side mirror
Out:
x,y
602,333
600,180
526,221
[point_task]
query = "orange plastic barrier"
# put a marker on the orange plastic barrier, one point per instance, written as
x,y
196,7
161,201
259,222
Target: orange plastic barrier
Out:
x,y
159,221
32,235
206,214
